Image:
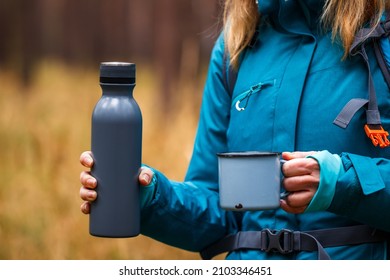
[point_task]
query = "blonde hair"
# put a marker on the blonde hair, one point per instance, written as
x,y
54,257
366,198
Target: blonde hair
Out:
x,y
343,17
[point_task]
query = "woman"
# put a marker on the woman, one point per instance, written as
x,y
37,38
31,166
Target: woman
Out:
x,y
299,51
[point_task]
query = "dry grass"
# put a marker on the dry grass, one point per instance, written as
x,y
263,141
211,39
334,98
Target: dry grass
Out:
x,y
43,130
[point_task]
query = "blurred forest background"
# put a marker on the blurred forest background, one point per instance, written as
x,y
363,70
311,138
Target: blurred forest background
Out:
x,y
50,51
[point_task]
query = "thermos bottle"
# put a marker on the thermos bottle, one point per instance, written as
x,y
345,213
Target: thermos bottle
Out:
x,y
116,150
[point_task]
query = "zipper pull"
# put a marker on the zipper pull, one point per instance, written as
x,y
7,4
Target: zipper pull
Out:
x,y
247,94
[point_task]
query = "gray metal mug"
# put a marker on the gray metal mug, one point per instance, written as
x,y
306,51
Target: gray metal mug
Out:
x,y
250,180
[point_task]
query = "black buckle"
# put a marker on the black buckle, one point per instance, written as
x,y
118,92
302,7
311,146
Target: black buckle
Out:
x,y
281,241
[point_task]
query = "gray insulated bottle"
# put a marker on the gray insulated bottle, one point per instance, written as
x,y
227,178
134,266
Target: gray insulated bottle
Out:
x,y
116,149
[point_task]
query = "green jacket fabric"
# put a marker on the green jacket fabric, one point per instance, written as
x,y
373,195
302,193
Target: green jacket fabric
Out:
x,y
305,85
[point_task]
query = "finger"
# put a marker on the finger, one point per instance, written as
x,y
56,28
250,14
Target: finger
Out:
x,y
301,183
292,210
85,207
299,199
86,159
145,177
87,180
87,194
294,155
300,166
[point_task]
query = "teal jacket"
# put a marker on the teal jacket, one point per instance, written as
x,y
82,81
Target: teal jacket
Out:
x,y
305,86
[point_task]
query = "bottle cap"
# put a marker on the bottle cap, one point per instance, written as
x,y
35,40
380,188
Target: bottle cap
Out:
x,y
117,73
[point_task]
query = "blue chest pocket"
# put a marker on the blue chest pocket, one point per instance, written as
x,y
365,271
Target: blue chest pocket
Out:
x,y
251,116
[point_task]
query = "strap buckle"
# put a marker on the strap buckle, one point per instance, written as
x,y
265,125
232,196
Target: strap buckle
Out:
x,y
377,135
281,241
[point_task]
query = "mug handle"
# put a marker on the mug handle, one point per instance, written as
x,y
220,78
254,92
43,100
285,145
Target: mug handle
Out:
x,y
284,194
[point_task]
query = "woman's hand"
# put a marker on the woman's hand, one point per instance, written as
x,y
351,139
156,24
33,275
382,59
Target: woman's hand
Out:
x,y
89,183
301,180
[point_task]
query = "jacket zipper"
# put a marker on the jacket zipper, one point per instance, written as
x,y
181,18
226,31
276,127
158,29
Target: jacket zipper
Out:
x,y
245,96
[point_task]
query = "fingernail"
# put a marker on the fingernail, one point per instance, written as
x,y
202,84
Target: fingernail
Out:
x,y
146,178
88,160
86,208
91,182
92,195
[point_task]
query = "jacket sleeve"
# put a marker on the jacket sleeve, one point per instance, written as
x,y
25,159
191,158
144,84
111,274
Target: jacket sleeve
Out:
x,y
362,190
187,214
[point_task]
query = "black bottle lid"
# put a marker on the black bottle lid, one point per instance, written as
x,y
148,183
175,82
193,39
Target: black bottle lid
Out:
x,y
117,73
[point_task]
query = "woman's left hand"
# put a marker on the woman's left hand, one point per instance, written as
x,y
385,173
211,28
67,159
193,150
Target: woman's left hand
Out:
x,y
301,180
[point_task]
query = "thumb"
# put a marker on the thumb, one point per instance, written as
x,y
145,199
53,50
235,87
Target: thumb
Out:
x,y
145,177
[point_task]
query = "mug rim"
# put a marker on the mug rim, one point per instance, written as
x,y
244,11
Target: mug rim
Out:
x,y
248,154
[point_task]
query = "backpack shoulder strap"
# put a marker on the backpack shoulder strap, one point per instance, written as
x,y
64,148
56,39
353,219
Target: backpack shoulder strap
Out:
x,y
382,49
373,127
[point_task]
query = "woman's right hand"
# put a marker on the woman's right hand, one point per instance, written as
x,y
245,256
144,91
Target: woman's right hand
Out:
x,y
88,189
89,183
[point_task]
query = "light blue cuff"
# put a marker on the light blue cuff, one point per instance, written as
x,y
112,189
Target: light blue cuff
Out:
x,y
330,168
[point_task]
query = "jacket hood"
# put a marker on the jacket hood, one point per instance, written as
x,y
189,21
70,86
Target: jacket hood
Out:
x,y
284,12
270,6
